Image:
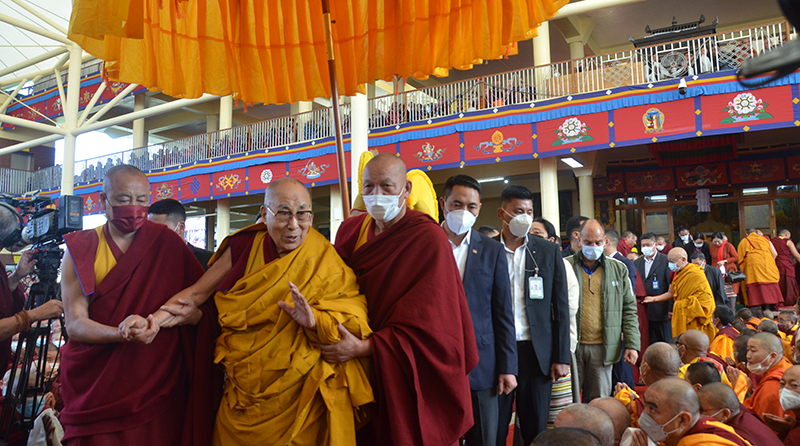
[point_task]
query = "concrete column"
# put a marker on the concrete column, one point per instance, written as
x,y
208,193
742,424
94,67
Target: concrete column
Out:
x,y
337,215
139,133
359,143
212,123
548,179
224,204
223,219
71,119
541,45
576,48
586,195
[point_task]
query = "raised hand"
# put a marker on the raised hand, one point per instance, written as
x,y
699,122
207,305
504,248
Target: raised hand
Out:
x,y
301,312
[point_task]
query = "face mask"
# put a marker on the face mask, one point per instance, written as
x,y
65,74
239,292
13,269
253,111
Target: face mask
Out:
x,y
714,415
592,252
29,409
648,251
654,430
699,245
660,247
673,267
685,238
460,221
759,368
520,224
59,342
382,207
789,399
128,219
14,346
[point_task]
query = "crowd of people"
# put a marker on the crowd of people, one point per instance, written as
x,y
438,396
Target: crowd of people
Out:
x,y
409,331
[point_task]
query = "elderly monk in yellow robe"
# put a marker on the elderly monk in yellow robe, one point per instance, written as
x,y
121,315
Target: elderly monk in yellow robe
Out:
x,y
757,262
694,301
282,290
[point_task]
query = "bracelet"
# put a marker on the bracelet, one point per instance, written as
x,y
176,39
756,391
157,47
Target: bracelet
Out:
x,y
17,329
26,320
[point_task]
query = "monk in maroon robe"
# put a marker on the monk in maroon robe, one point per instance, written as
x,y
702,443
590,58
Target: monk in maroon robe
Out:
x,y
423,345
122,386
719,401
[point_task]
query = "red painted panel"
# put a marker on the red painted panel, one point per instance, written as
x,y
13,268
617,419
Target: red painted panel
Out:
x,y
228,182
649,180
761,106
704,175
314,170
162,190
743,172
498,142
573,131
420,153
653,121
195,187
614,183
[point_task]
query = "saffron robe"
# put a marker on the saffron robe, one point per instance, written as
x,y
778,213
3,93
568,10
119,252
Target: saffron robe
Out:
x,y
752,429
115,393
633,402
279,390
722,344
423,346
761,285
710,432
740,387
765,397
694,302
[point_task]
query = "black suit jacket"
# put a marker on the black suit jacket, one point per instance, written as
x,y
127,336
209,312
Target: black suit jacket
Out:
x,y
717,285
659,272
548,317
202,255
488,291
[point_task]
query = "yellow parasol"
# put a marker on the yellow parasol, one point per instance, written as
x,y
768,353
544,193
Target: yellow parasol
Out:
x,y
279,51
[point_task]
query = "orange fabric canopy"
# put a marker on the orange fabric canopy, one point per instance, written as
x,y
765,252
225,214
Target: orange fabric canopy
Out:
x,y
273,51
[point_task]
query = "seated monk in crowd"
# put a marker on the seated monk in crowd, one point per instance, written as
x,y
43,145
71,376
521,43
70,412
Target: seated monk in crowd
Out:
x,y
701,374
772,328
693,348
765,360
672,416
718,401
281,292
117,390
660,361
787,426
617,411
722,344
587,417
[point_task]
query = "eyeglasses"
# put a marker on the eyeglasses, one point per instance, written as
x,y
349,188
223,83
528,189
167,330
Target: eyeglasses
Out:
x,y
286,216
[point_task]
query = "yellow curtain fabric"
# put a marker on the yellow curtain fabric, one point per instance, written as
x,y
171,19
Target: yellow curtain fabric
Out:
x,y
279,390
694,303
274,51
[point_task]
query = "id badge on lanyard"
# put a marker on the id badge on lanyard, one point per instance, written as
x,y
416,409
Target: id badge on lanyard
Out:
x,y
535,287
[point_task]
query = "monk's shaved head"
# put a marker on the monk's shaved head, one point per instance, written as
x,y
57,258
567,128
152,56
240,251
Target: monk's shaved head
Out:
x,y
663,360
695,344
769,342
281,184
675,395
591,418
617,411
121,173
676,254
386,175
572,436
768,327
716,396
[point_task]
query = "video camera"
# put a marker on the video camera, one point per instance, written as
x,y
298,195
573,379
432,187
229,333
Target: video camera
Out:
x,y
42,224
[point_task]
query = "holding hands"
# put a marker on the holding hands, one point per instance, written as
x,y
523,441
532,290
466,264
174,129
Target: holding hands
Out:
x,y
135,328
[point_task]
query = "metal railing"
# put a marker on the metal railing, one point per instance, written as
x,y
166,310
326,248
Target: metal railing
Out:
x,y
639,66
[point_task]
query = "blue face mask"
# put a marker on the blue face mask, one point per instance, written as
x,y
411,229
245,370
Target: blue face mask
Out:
x,y
673,266
592,252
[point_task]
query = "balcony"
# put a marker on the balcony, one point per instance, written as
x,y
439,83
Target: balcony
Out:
x,y
641,66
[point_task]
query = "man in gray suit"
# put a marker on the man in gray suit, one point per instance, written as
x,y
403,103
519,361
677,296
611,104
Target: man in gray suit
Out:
x,y
484,273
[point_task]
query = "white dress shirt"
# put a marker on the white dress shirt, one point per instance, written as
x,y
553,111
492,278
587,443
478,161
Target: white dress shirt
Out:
x,y
460,252
574,292
648,263
516,272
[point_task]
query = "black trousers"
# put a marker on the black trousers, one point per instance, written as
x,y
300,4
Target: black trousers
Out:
x,y
532,395
660,331
484,411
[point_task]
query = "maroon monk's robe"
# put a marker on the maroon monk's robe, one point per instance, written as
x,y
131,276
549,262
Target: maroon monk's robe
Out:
x,y
423,345
706,425
165,393
752,429
11,302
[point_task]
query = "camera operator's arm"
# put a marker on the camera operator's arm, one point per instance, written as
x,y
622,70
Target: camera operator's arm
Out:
x,y
76,310
24,267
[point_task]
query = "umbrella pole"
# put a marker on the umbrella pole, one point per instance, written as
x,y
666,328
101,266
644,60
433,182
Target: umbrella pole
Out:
x,y
337,116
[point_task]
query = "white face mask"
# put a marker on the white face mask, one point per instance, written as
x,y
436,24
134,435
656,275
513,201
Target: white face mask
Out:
x,y
592,252
520,224
685,238
699,245
660,247
673,267
460,221
654,430
648,251
59,342
789,400
383,207
14,346
760,368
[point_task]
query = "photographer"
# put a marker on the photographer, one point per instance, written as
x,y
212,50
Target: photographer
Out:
x,y
12,318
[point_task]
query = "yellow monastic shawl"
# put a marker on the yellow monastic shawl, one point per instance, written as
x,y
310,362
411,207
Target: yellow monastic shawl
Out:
x,y
708,439
279,391
694,303
757,264
722,346
741,384
104,261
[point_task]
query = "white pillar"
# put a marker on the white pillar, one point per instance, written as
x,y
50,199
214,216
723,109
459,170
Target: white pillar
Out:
x,y
586,195
71,119
359,124
224,204
576,48
212,123
139,134
223,219
541,45
337,214
548,179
